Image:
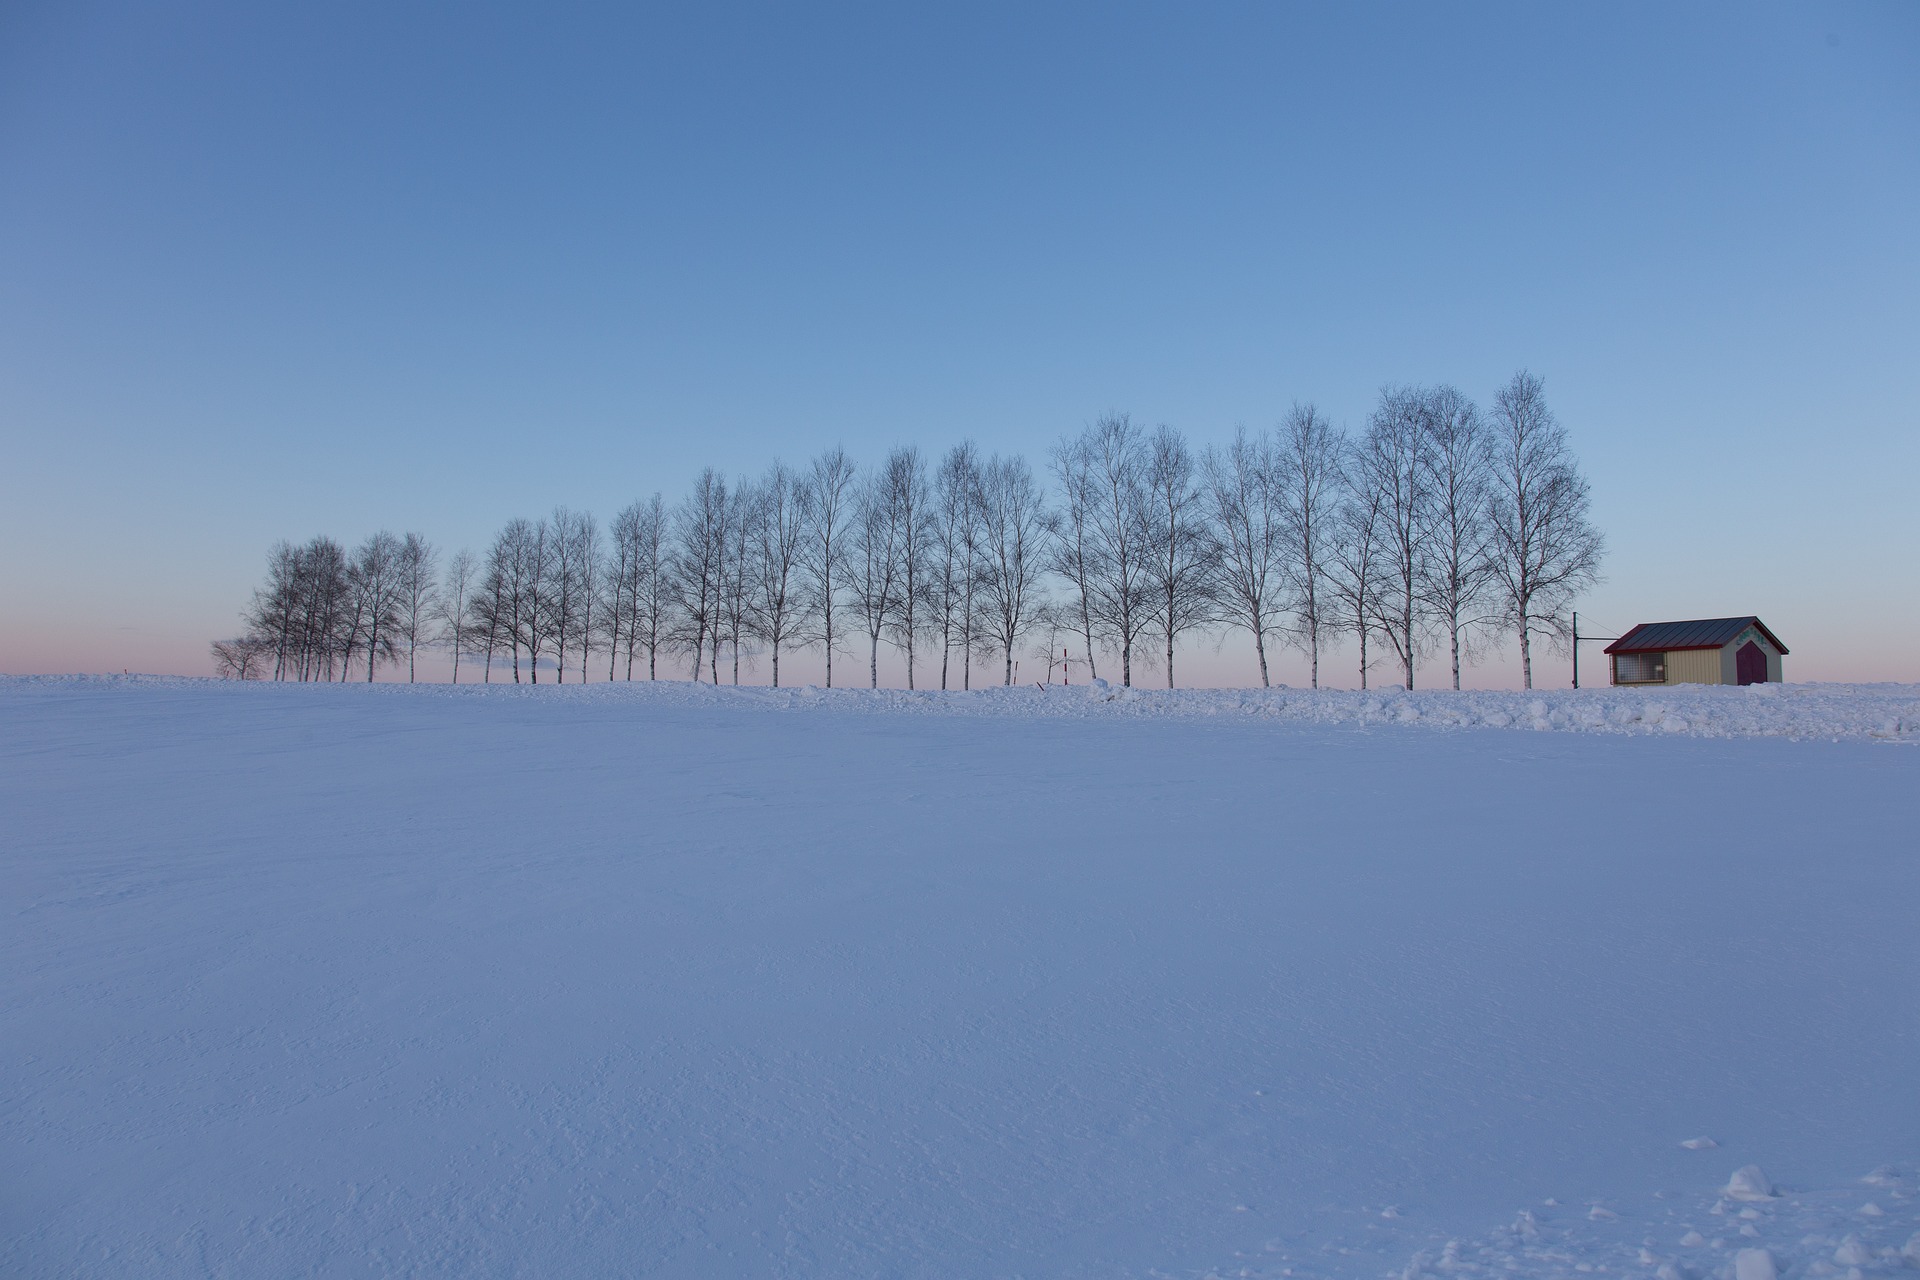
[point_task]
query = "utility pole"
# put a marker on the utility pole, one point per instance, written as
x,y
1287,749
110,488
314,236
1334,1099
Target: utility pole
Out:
x,y
1576,648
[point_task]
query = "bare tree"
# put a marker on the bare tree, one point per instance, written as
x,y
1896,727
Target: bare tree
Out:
x,y
779,533
1355,557
1545,551
1015,528
455,604
1458,566
1243,487
1075,557
737,571
377,594
516,571
330,611
418,592
873,563
651,601
1183,553
635,587
699,548
831,507
489,609
246,658
590,553
304,607
616,587
275,608
571,537
1119,540
1391,462
956,555
907,492
1308,487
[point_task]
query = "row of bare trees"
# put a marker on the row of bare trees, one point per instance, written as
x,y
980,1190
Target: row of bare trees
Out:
x,y
1434,529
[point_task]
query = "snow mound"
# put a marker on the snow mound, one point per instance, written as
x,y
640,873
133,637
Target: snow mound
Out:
x,y
1749,1182
1799,1236
1886,713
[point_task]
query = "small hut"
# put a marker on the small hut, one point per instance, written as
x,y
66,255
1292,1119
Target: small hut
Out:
x,y
1703,651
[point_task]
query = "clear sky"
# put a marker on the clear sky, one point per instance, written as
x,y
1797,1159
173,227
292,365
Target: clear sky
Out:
x,y
272,271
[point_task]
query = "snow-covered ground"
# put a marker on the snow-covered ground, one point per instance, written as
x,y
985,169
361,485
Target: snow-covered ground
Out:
x,y
687,982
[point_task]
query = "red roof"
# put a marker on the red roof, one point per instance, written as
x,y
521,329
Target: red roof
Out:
x,y
1700,633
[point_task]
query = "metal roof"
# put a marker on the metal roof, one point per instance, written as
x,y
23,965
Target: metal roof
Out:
x,y
1700,633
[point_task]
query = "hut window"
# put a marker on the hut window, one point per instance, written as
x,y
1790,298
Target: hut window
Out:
x,y
1639,668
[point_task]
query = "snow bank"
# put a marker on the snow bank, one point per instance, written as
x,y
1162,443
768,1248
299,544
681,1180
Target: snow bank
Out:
x,y
1836,712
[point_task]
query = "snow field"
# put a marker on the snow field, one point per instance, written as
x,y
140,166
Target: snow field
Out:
x,y
348,981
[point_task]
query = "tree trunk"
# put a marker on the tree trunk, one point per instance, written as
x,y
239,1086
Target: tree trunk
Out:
x,y
1260,647
873,660
1406,635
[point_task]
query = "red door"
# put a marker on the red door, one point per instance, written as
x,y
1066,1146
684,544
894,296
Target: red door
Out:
x,y
1750,664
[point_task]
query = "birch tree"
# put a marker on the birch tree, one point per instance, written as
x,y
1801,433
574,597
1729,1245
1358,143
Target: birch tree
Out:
x,y
489,615
1183,554
699,546
377,591
418,597
1120,562
1391,463
1545,550
1307,458
1074,549
589,552
830,509
873,561
1249,518
957,554
779,530
523,556
1014,535
569,535
1458,566
910,497
636,589
456,604
1354,559
737,572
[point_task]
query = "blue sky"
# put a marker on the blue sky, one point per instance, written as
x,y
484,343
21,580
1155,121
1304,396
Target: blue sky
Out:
x,y
269,272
